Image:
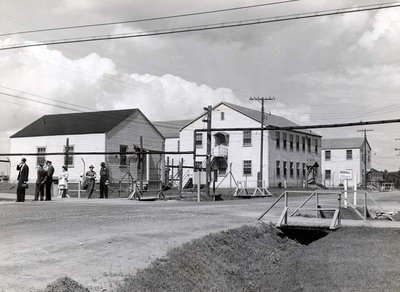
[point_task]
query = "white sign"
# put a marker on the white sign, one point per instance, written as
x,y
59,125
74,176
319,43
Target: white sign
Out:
x,y
199,175
346,174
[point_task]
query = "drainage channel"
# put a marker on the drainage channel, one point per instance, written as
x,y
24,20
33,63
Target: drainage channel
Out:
x,y
305,235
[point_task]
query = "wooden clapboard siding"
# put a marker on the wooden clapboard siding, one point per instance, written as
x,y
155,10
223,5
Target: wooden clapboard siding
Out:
x,y
128,133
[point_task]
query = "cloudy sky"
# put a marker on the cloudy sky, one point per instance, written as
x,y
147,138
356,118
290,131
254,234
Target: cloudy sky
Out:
x,y
334,69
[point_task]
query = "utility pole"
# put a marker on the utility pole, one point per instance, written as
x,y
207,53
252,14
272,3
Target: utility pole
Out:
x,y
397,149
365,154
260,174
66,158
208,154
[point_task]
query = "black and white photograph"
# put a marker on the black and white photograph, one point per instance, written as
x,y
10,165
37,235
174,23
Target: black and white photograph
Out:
x,y
245,145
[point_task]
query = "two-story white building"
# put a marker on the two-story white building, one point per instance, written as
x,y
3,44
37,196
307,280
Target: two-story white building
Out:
x,y
290,157
345,157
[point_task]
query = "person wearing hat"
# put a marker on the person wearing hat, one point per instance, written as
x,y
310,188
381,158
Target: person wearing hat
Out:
x,y
48,181
23,173
39,187
104,176
91,180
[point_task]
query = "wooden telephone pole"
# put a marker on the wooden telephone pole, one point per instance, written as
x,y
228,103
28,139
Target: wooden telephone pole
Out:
x,y
260,174
365,154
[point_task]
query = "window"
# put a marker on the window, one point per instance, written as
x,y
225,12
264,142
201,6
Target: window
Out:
x,y
246,167
222,171
297,143
291,141
298,169
199,140
304,170
291,169
246,138
70,162
327,174
316,146
284,138
303,139
222,116
309,145
278,168
122,154
41,155
278,139
327,154
349,154
284,169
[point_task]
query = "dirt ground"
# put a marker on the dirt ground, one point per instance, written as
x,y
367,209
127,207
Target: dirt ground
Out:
x,y
97,242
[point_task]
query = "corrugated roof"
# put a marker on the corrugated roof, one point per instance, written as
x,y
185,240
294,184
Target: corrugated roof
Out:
x,y
342,143
170,129
76,123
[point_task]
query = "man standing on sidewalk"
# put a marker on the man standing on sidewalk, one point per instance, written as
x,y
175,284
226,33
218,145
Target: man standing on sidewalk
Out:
x,y
49,180
22,178
104,176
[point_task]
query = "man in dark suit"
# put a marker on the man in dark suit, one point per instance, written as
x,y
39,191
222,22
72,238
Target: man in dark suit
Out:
x,y
23,174
41,175
49,179
104,176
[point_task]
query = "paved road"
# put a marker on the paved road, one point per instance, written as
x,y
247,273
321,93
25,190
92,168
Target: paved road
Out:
x,y
96,242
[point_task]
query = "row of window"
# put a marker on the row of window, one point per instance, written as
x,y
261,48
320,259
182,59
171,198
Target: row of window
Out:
x,y
349,155
295,141
301,169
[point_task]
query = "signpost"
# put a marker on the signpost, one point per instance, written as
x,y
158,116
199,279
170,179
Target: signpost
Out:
x,y
345,175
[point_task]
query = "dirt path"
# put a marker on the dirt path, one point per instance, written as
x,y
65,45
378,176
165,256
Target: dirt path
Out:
x,y
98,242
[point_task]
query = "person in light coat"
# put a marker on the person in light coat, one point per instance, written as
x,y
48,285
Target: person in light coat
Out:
x,y
63,182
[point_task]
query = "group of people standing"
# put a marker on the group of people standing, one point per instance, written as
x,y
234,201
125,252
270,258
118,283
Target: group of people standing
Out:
x,y
44,181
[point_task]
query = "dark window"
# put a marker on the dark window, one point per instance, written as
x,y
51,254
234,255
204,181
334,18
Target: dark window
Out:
x,y
278,168
291,141
284,169
284,138
349,154
309,144
122,154
298,169
297,143
222,116
199,140
246,138
247,167
41,155
316,146
70,162
327,154
291,169
304,170
327,174
303,140
278,139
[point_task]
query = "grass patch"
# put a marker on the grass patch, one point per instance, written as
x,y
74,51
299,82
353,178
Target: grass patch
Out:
x,y
234,260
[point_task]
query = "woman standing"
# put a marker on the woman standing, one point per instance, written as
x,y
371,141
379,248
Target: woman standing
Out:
x,y
63,182
90,180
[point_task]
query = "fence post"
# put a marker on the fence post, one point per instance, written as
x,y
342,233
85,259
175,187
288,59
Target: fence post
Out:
x,y
339,206
286,206
316,205
79,189
365,206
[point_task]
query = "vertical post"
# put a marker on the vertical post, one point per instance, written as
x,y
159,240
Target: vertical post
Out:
x,y
345,193
286,206
365,206
172,172
262,144
180,169
167,172
355,190
339,206
79,189
198,185
141,163
316,205
66,153
230,177
208,159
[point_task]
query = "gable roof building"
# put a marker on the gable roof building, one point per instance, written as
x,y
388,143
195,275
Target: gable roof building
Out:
x,y
101,131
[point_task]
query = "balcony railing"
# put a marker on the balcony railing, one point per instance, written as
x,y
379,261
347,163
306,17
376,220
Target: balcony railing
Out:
x,y
220,151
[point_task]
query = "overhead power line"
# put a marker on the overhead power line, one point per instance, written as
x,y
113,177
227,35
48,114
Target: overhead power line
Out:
x,y
147,19
214,26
